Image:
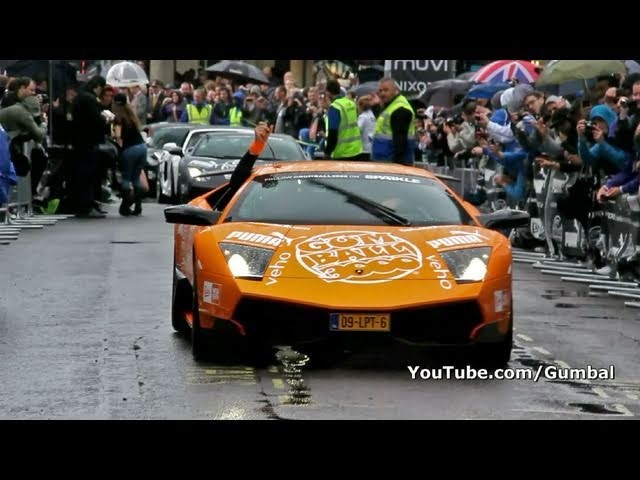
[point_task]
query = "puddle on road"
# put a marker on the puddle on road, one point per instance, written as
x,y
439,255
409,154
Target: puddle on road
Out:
x,y
595,408
566,305
583,388
533,363
291,364
555,293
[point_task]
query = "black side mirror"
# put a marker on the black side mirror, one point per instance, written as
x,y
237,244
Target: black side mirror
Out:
x,y
190,215
505,219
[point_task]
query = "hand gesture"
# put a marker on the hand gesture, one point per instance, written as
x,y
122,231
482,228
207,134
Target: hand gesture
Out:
x,y
542,127
613,192
501,180
262,132
482,119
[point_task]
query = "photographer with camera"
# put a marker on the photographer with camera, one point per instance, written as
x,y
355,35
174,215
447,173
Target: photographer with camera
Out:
x,y
595,147
461,131
628,118
534,130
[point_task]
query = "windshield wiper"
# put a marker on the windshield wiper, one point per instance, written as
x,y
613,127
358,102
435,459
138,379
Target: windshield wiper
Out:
x,y
388,215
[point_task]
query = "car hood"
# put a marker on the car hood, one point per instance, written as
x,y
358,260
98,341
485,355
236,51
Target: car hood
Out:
x,y
210,165
323,264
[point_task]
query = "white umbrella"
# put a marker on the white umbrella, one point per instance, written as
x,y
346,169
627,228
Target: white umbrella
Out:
x,y
126,74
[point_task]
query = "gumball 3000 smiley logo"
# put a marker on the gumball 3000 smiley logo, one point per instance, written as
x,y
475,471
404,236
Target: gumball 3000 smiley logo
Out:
x,y
358,257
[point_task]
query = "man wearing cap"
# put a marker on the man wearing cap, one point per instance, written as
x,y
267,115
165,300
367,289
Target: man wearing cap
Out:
x,y
156,97
498,127
554,102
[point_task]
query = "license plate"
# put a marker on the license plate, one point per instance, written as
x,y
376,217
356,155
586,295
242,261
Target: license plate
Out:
x,y
360,322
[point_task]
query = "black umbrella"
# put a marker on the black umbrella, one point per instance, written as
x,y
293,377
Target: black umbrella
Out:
x,y
238,69
365,88
443,92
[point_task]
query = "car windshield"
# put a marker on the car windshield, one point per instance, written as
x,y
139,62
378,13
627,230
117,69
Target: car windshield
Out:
x,y
234,146
168,135
339,198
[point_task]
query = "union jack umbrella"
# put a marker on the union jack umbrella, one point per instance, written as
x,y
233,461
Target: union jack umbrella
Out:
x,y
505,70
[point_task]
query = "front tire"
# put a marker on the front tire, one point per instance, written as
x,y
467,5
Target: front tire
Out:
x,y
178,304
497,354
159,196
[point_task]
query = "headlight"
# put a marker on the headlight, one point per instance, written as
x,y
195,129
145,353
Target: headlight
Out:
x,y
245,261
468,264
194,172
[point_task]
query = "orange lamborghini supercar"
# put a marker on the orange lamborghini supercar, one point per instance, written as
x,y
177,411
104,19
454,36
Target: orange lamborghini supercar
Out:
x,y
358,253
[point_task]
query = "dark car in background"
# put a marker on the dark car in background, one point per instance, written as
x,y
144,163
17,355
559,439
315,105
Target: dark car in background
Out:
x,y
157,136
213,158
171,155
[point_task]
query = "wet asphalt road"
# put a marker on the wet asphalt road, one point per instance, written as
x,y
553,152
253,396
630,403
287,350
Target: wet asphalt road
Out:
x,y
85,334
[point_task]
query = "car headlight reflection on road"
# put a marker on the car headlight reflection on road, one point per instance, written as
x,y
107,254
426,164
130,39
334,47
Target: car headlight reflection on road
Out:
x,y
468,264
245,261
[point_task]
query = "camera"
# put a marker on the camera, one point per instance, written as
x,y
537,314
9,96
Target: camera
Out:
x,y
588,130
455,120
624,102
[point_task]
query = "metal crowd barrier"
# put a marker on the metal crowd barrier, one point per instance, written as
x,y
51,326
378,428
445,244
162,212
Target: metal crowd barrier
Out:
x,y
17,214
466,179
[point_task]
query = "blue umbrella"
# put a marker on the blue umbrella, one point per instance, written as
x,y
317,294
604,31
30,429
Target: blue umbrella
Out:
x,y
487,90
632,66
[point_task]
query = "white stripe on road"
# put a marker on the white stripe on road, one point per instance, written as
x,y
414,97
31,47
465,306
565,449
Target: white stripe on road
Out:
x,y
623,410
524,337
541,350
601,393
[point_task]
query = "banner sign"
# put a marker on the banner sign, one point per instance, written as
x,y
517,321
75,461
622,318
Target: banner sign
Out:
x,y
414,75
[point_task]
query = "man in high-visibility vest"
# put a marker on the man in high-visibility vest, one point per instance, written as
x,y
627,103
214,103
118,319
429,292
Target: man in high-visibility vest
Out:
x,y
199,111
343,141
235,112
394,139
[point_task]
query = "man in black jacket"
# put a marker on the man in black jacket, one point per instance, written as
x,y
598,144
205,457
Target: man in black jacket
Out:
x,y
87,133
